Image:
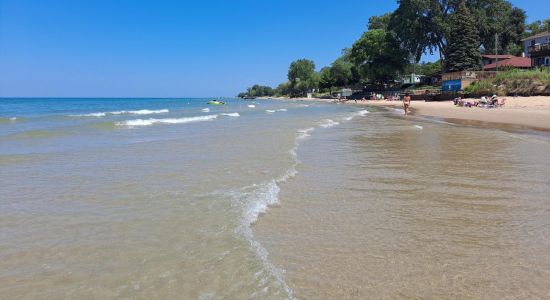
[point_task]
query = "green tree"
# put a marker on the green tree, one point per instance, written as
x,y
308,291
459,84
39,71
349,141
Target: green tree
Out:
x,y
341,72
511,41
378,56
379,22
283,89
257,91
536,27
325,79
425,68
424,25
463,50
302,76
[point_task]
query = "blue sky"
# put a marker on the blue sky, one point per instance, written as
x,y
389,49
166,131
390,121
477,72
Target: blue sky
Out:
x,y
133,48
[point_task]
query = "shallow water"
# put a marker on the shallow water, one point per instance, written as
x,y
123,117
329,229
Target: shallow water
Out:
x,y
172,198
147,198
387,207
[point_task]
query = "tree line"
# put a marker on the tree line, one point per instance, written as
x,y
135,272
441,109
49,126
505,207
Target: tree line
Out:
x,y
458,30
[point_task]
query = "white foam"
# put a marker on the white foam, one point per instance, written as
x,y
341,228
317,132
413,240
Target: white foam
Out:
x,y
271,111
99,114
356,114
328,123
303,133
148,122
418,127
362,112
234,115
205,110
252,106
255,200
124,112
145,112
13,119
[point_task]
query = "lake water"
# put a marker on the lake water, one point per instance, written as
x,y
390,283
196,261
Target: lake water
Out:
x,y
174,198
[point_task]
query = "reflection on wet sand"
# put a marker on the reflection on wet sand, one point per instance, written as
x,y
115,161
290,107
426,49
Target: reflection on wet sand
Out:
x,y
384,209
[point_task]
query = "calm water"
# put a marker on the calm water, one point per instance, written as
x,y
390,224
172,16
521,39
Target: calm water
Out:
x,y
172,198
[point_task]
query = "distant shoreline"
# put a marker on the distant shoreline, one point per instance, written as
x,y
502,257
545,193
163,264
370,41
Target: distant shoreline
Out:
x,y
518,113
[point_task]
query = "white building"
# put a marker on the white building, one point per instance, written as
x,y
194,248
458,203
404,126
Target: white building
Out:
x,y
411,79
537,47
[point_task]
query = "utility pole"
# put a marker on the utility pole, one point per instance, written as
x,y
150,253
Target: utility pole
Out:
x,y
496,50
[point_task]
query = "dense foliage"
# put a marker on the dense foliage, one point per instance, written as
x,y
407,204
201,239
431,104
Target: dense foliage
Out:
x,y
302,77
536,27
392,46
258,91
424,68
425,25
514,82
463,50
378,56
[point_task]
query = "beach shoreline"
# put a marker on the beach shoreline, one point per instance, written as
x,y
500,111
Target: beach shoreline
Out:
x,y
518,113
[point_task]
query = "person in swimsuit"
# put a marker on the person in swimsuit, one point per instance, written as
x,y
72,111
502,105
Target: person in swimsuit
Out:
x,y
406,103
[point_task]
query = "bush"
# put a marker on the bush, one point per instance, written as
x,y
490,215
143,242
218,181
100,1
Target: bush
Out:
x,y
514,82
482,87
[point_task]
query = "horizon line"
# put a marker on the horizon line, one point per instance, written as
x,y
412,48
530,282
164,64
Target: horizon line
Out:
x,y
109,97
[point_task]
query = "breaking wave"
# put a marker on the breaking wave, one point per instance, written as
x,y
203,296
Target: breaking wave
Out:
x,y
235,114
356,114
328,123
148,122
8,120
124,112
256,199
271,111
303,133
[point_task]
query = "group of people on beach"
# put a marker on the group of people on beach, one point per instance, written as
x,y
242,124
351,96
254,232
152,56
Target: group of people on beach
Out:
x,y
387,97
406,100
485,102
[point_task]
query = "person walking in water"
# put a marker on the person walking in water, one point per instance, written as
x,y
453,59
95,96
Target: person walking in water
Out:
x,y
406,103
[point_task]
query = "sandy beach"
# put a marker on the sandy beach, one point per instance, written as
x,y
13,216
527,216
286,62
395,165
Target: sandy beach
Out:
x,y
526,112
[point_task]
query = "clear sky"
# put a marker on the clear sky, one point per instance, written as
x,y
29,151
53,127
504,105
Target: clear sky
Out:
x,y
133,48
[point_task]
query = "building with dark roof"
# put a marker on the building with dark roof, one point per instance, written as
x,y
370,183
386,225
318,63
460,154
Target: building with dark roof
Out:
x,y
537,48
514,62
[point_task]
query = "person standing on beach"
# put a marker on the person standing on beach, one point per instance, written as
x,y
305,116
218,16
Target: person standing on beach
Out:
x,y
406,103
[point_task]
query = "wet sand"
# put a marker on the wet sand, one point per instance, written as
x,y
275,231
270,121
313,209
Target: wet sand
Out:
x,y
532,112
528,112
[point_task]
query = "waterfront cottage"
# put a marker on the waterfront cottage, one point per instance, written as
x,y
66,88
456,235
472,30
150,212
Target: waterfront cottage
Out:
x,y
537,48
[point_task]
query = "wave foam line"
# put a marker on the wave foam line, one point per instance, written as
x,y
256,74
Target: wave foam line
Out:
x,y
328,123
256,200
148,122
234,115
7,119
272,111
303,133
124,112
360,113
